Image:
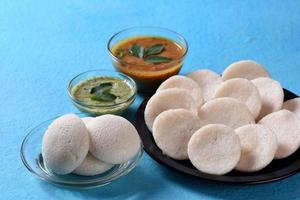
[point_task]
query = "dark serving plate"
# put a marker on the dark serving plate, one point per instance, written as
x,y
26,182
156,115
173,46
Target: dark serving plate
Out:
x,y
276,170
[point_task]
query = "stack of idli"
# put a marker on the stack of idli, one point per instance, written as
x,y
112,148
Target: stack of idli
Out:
x,y
237,120
88,146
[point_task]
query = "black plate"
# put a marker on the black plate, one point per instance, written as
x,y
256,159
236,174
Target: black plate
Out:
x,y
277,170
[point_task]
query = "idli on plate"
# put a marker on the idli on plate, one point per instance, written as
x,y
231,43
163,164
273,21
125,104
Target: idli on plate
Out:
x,y
65,144
242,90
227,111
183,82
113,139
91,166
271,94
286,126
258,145
293,105
208,81
247,69
172,130
214,149
168,99
86,119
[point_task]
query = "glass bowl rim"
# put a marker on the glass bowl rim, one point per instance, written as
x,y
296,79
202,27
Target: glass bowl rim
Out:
x,y
132,83
96,183
146,27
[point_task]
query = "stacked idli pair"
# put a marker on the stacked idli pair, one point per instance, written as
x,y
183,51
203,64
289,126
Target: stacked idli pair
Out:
x,y
88,146
234,121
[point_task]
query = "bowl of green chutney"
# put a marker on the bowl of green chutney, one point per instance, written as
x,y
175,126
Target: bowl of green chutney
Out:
x,y
100,92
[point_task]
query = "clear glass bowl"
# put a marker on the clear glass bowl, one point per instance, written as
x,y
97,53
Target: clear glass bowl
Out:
x,y
96,109
32,158
147,78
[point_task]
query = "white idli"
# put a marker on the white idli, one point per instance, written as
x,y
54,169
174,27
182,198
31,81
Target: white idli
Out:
x,y
172,130
242,90
113,139
293,105
65,144
183,82
258,145
86,119
271,94
208,81
247,69
214,149
227,111
91,166
165,100
286,126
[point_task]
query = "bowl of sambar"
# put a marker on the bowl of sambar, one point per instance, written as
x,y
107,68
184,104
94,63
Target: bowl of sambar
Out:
x,y
149,55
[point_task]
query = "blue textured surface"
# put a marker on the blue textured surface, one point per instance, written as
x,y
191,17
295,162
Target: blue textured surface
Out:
x,y
44,44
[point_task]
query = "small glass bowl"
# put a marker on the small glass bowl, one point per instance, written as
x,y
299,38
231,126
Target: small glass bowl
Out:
x,y
147,78
32,158
96,109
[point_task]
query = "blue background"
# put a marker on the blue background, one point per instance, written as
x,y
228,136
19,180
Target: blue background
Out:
x,y
43,44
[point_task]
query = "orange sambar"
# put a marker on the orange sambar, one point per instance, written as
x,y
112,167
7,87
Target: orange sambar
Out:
x,y
147,75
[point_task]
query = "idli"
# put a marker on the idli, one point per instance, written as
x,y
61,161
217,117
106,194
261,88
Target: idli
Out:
x,y
183,82
271,94
227,111
65,144
113,139
258,145
293,105
91,166
242,90
208,81
172,130
286,126
86,119
247,69
165,100
214,149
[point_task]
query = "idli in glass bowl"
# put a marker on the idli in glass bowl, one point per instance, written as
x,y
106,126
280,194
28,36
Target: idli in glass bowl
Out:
x,y
31,155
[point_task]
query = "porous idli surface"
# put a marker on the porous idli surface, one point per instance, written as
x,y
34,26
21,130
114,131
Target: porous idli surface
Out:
x,y
113,139
86,119
258,145
91,166
214,149
247,69
183,82
271,94
208,81
286,126
242,90
65,144
227,111
293,105
172,130
165,100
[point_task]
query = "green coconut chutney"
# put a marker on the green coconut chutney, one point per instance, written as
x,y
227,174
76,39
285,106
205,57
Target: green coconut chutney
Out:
x,y
102,95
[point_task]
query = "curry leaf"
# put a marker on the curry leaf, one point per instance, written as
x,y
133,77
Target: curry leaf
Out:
x,y
102,87
157,59
137,51
155,49
104,96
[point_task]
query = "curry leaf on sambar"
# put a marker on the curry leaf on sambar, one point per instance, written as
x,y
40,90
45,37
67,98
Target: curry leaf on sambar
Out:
x,y
155,49
157,59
